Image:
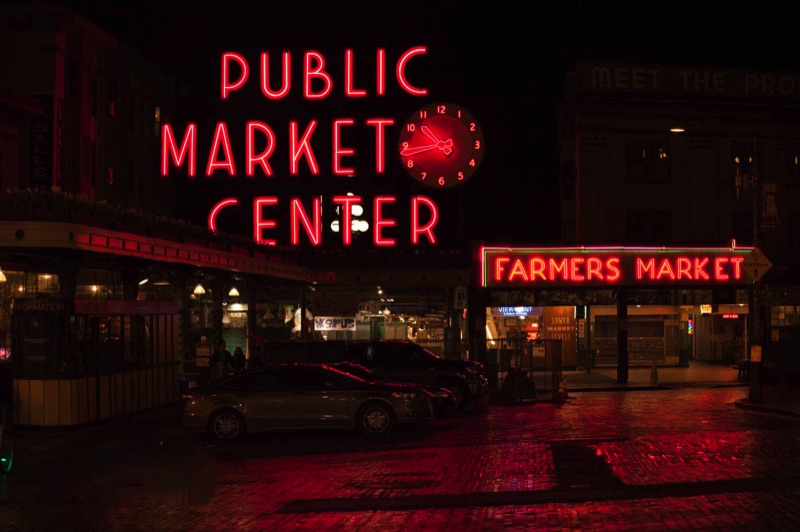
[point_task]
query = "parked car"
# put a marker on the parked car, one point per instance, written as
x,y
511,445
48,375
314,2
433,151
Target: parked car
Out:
x,y
393,360
300,396
444,400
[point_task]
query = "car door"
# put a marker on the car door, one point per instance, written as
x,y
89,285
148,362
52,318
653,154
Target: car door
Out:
x,y
320,397
261,397
290,397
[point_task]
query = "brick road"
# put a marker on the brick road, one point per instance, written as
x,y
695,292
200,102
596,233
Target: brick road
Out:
x,y
639,460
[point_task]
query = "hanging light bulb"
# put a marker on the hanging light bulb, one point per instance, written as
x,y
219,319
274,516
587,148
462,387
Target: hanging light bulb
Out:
x,y
2,276
199,290
234,292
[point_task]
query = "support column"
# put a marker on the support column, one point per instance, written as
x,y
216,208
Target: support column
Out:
x,y
622,336
216,311
185,322
130,284
477,301
253,347
67,279
304,325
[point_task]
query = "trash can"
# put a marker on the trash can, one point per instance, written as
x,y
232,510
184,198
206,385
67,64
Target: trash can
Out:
x,y
189,381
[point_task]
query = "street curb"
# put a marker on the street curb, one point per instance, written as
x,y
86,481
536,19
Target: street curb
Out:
x,y
746,404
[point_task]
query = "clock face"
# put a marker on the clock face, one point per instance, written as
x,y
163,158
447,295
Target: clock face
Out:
x,y
441,145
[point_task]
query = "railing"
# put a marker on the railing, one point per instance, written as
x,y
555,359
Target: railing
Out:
x,y
521,369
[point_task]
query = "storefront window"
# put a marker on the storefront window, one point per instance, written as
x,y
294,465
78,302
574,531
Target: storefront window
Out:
x,y
98,284
20,285
785,315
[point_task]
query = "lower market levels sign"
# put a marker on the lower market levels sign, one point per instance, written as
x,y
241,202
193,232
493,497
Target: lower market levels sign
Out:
x,y
504,267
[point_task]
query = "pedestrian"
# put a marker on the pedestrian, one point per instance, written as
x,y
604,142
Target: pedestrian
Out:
x,y
221,362
239,360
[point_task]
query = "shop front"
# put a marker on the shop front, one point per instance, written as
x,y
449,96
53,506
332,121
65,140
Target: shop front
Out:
x,y
97,323
618,307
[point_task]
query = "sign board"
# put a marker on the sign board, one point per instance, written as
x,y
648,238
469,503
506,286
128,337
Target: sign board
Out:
x,y
504,267
41,306
334,323
756,265
755,353
460,297
538,351
202,354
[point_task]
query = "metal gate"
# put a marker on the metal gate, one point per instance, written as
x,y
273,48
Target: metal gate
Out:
x,y
526,370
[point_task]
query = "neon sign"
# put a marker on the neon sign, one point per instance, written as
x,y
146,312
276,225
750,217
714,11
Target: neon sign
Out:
x,y
614,266
300,150
515,311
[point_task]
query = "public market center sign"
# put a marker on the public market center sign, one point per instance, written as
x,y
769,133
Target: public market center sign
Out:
x,y
296,145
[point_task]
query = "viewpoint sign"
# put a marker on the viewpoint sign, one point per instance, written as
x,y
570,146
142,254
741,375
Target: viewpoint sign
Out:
x,y
317,147
605,267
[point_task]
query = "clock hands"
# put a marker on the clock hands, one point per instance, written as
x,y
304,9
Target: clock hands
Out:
x,y
417,149
428,133
445,145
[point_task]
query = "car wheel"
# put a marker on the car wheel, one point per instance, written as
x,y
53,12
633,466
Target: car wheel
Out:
x,y
226,426
375,419
460,394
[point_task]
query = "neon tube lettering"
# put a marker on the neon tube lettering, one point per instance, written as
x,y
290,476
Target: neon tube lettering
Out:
x,y
221,138
298,214
379,222
427,229
188,149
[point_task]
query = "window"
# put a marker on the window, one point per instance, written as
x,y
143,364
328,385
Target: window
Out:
x,y
784,315
791,159
647,161
260,379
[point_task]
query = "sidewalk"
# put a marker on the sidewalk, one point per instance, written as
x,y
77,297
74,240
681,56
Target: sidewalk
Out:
x,y
778,398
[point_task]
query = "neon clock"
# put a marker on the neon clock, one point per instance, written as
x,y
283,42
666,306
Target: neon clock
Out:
x,y
441,145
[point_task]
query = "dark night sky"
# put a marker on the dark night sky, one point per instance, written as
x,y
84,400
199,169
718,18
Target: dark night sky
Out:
x,y
504,63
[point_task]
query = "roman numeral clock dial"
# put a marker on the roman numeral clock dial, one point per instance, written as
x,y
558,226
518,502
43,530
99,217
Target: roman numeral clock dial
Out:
x,y
441,145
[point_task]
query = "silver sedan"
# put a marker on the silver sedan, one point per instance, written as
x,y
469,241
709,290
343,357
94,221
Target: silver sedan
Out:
x,y
301,396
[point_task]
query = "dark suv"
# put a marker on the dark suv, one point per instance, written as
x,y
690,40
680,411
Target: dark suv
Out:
x,y
396,360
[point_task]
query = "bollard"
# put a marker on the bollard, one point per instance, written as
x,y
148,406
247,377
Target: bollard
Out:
x,y
654,373
562,391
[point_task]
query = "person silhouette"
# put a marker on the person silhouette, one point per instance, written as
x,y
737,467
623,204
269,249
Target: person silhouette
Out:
x,y
239,360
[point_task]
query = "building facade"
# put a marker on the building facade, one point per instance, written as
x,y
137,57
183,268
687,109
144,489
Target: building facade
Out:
x,y
658,155
109,301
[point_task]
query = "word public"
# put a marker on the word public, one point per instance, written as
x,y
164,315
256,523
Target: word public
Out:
x,y
261,143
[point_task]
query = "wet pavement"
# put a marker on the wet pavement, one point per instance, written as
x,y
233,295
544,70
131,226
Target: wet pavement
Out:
x,y
686,457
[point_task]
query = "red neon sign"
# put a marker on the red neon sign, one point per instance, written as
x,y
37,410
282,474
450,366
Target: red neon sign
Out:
x,y
550,267
424,217
298,146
